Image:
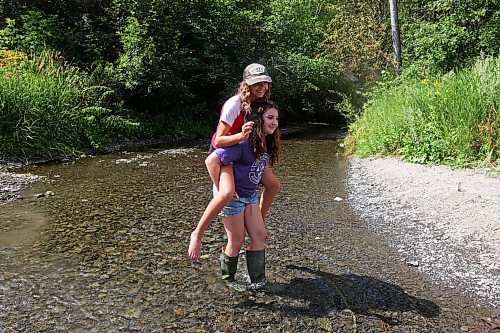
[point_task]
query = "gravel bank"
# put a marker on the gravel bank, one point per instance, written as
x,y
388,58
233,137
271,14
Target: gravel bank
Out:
x,y
446,222
11,183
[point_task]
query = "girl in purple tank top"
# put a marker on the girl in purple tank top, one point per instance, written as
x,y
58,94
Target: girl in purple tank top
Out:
x,y
250,160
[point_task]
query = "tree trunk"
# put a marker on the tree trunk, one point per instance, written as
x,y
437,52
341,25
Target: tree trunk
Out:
x,y
396,43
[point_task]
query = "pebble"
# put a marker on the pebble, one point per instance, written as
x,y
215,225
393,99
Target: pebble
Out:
x,y
14,182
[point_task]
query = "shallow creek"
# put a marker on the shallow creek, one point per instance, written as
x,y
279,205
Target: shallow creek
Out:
x,y
107,252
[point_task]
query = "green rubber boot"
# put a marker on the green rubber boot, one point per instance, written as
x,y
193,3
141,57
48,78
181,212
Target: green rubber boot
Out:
x,y
228,267
256,264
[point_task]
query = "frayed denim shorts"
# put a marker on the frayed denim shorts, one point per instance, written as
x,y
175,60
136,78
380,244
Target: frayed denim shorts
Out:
x,y
237,206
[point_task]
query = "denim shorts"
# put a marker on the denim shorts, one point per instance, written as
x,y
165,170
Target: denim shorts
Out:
x,y
237,206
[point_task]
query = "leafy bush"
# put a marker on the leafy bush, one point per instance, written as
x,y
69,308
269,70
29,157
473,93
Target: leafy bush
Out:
x,y
436,44
358,36
304,86
36,31
445,34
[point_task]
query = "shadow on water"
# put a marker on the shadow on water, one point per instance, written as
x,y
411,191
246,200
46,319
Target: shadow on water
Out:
x,y
363,295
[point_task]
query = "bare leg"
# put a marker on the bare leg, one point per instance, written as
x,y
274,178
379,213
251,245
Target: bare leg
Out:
x,y
256,229
235,230
226,192
256,255
272,186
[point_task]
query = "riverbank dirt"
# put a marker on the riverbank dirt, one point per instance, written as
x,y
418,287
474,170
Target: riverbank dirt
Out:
x,y
445,222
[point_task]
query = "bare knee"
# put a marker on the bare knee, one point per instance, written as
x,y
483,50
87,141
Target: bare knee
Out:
x,y
258,239
211,158
233,246
273,186
225,196
225,192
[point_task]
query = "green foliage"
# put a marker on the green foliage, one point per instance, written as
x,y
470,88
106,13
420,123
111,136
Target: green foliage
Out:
x,y
185,124
359,37
217,39
348,109
305,86
446,34
307,80
137,56
49,108
296,26
158,56
37,31
438,43
186,53
9,34
176,61
451,119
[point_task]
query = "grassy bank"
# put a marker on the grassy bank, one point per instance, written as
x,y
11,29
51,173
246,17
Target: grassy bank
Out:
x,y
449,119
49,108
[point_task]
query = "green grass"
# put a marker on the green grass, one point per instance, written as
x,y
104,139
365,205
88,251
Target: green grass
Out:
x,y
451,119
49,108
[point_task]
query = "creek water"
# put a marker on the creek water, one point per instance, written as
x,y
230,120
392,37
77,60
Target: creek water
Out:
x,y
108,253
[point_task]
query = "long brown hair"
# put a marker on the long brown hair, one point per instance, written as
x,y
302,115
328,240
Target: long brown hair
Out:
x,y
260,142
244,92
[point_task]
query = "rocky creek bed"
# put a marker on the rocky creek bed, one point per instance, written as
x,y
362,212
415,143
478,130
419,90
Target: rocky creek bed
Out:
x,y
107,252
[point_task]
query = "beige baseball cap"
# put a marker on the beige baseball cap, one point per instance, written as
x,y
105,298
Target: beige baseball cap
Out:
x,y
255,73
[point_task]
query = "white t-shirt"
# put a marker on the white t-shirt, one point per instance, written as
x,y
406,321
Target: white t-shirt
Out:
x,y
231,110
231,115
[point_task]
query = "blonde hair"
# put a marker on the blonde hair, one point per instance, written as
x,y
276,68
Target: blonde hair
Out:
x,y
245,94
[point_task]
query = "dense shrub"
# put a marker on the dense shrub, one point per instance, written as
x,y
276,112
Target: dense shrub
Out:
x,y
164,60
444,35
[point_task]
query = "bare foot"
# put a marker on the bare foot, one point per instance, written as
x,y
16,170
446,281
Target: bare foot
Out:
x,y
194,251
